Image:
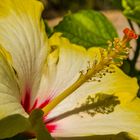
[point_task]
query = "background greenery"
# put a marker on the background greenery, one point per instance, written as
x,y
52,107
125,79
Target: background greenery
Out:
x,y
56,8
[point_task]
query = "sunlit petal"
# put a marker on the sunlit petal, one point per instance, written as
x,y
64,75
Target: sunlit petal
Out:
x,y
82,123
106,107
9,90
95,107
63,67
22,34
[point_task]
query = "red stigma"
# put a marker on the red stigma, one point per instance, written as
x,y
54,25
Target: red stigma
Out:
x,y
130,34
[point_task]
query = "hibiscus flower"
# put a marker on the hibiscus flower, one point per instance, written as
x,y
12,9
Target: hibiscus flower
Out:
x,y
81,91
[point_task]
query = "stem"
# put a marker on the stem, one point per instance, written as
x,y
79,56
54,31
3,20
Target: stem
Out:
x,y
131,25
133,71
136,57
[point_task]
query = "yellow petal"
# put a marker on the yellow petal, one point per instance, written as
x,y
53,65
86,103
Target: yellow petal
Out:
x,y
22,34
100,122
64,64
98,108
109,97
9,90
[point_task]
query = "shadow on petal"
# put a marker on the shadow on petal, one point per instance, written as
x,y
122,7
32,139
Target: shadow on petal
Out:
x,y
100,103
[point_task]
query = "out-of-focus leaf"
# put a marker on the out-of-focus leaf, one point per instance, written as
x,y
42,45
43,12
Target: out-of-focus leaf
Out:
x,y
12,125
117,4
87,28
17,137
47,28
132,9
36,119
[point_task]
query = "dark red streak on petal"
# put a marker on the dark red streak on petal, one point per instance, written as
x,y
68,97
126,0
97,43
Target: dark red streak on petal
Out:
x,y
34,105
45,103
41,105
26,101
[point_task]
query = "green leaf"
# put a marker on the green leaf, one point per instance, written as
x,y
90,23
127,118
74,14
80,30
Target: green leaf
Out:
x,y
132,9
36,119
87,28
47,28
12,125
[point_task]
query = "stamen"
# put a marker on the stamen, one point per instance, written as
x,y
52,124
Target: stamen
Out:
x,y
114,54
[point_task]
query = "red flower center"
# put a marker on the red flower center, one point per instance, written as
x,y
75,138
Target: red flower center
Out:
x,y
25,102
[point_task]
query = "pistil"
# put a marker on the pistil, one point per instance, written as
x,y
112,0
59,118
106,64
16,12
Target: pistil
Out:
x,y
117,50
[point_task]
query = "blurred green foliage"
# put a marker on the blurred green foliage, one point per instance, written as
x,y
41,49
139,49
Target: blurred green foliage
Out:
x,y
132,9
56,8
